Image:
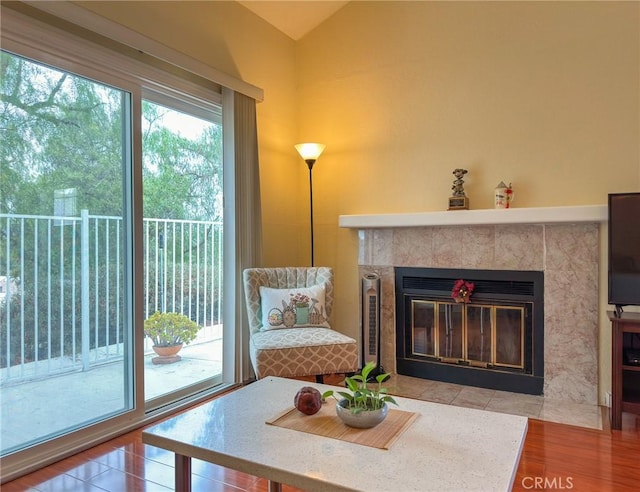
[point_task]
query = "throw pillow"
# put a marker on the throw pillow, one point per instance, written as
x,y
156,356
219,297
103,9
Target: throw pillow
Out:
x,y
293,308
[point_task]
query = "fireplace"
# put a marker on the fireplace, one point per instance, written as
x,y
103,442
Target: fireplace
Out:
x,y
494,340
562,242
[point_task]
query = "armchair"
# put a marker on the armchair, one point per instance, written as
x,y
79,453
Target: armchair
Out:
x,y
289,312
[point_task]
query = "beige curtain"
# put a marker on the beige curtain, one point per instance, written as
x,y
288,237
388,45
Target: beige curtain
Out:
x,y
241,165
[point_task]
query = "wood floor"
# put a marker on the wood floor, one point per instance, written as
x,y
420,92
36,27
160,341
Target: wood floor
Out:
x,y
555,457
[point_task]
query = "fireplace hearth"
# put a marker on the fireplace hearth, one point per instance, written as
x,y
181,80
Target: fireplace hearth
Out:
x,y
495,340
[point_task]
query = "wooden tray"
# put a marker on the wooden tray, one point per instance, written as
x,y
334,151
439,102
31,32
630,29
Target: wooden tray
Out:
x,y
326,423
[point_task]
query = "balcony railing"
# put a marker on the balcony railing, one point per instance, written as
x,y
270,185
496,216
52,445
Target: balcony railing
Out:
x,y
62,298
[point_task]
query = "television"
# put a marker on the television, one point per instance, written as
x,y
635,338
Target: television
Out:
x,y
624,250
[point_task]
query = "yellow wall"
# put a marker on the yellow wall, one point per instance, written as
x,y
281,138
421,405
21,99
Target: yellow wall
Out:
x,y
232,39
541,94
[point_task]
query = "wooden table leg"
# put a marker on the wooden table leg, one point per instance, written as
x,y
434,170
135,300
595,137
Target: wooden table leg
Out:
x,y
275,486
183,473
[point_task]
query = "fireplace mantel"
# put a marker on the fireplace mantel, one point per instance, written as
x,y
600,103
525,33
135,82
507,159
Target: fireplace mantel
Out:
x,y
538,215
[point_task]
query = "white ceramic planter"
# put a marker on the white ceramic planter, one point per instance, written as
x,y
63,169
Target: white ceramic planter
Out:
x,y
361,420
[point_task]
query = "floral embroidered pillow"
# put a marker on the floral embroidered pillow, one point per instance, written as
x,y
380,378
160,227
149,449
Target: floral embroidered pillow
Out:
x,y
293,308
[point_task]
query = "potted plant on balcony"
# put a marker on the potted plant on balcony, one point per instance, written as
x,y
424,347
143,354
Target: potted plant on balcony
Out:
x,y
362,406
169,332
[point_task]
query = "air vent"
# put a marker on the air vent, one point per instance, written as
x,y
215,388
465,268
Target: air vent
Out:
x,y
497,287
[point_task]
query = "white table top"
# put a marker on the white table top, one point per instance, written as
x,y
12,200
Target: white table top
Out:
x,y
446,448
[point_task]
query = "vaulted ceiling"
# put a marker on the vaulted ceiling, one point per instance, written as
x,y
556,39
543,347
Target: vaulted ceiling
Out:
x,y
294,18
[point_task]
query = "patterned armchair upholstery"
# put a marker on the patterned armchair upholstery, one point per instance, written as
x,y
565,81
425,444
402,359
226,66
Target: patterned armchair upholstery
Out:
x,y
292,352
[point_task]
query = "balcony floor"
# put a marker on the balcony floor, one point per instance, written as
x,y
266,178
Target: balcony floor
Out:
x,y
32,409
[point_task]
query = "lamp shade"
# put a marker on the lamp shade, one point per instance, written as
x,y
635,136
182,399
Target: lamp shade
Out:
x,y
310,151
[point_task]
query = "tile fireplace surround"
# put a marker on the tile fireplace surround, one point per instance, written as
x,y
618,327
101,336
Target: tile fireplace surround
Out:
x,y
564,244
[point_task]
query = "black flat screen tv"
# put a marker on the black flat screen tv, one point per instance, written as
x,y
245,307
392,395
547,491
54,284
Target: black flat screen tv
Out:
x,y
624,250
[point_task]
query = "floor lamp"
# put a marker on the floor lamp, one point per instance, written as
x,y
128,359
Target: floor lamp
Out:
x,y
310,153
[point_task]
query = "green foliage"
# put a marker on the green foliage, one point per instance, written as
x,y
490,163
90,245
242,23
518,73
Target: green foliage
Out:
x,y
362,398
166,329
182,176
63,131
60,131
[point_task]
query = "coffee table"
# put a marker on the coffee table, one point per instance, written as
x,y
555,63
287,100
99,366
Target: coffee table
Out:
x,y
445,448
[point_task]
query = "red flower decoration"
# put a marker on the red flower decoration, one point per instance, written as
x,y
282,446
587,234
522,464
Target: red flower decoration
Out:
x,y
462,291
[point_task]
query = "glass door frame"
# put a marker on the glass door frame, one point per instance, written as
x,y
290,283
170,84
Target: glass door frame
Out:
x,y
45,44
212,113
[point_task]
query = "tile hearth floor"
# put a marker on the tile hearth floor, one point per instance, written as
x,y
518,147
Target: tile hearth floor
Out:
x,y
532,406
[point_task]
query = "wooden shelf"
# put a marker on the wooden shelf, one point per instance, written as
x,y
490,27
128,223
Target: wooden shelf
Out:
x,y
631,406
625,378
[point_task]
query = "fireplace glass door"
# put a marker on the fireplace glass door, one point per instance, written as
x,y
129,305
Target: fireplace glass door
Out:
x,y
423,328
509,337
474,334
450,331
479,335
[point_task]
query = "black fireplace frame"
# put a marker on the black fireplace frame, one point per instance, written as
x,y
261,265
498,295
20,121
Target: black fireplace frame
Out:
x,y
517,286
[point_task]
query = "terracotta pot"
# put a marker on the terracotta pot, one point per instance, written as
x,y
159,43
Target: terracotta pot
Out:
x,y
166,355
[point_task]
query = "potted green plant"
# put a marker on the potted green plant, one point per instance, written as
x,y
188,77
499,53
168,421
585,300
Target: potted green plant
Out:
x,y
169,332
362,406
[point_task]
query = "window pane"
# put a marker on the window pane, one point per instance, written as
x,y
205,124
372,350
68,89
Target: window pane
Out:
x,y
64,323
182,181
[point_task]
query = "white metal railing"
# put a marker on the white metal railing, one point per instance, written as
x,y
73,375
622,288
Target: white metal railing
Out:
x,y
62,304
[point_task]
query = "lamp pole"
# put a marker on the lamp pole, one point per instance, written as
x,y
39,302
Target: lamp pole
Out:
x,y
310,163
310,153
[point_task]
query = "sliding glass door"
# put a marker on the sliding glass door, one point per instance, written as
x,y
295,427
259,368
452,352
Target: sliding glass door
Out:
x,y
65,293
183,254
84,225
111,217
